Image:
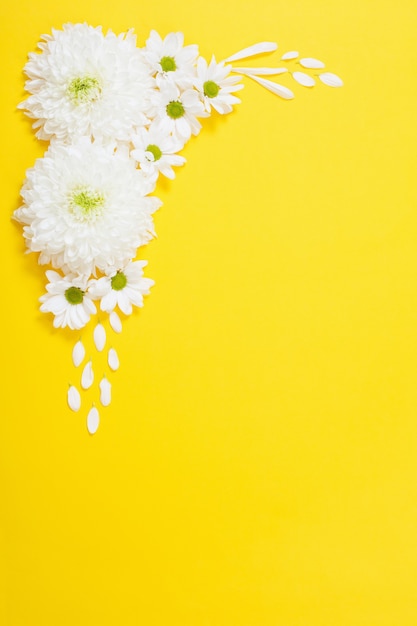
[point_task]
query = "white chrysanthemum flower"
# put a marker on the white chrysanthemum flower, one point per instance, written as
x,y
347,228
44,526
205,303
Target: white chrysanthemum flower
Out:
x,y
156,152
122,288
216,86
169,60
67,298
176,112
85,208
84,82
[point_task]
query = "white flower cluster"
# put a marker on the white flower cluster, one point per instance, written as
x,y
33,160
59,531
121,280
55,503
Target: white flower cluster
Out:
x,y
116,117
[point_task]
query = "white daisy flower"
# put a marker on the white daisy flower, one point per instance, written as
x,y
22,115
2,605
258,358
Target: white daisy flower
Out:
x,y
215,85
169,60
122,288
85,208
85,82
67,298
156,152
176,112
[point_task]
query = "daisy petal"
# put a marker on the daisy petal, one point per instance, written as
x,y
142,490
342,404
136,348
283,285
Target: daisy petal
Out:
x,y
105,391
311,64
99,337
115,322
257,48
332,80
113,359
293,54
74,398
304,79
87,376
260,71
279,90
78,353
93,420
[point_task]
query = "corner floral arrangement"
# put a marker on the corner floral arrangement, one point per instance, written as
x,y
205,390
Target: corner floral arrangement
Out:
x,y
116,117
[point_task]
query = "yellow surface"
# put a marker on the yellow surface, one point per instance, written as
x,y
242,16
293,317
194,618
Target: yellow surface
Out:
x,y
258,464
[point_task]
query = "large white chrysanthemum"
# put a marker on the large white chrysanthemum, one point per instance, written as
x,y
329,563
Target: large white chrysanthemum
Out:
x,y
122,288
85,207
85,82
68,300
216,86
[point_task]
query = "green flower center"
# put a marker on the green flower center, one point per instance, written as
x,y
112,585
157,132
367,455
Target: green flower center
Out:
x,y
86,204
175,109
118,281
74,295
168,64
211,89
84,89
155,151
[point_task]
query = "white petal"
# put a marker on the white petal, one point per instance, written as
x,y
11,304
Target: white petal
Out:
x,y
311,64
257,48
93,420
105,391
115,322
304,79
87,376
99,337
331,79
113,359
78,353
74,398
293,54
260,71
279,90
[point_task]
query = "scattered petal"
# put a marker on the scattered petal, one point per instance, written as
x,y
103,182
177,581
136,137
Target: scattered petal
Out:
x,y
257,48
260,71
279,90
311,64
78,353
304,79
115,322
93,420
293,54
87,376
74,398
99,337
332,80
113,359
105,391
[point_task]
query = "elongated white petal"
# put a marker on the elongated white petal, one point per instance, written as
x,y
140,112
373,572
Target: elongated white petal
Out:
x,y
74,398
115,322
260,71
87,377
78,353
311,64
113,359
99,337
251,51
304,79
332,80
93,420
293,54
279,90
105,391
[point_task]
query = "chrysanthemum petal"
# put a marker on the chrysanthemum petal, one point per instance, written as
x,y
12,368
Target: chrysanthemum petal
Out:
x,y
99,336
288,56
105,391
311,64
93,420
78,353
113,359
87,377
257,48
74,398
115,322
259,71
279,90
332,80
304,79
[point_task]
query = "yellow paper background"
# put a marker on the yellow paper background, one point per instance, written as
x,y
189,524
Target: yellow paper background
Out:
x,y
257,466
